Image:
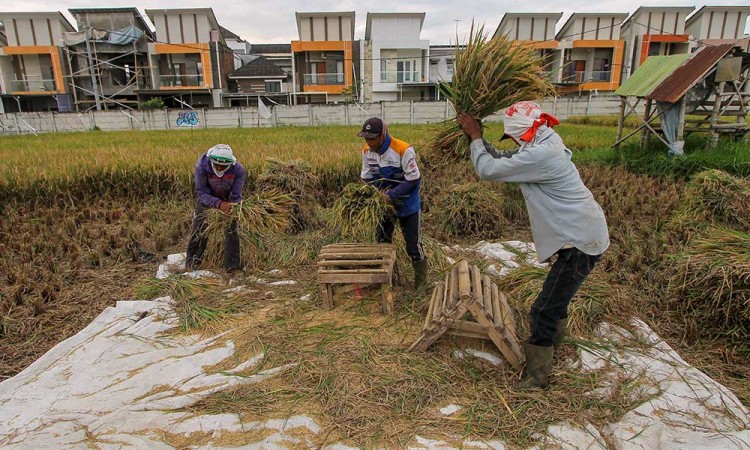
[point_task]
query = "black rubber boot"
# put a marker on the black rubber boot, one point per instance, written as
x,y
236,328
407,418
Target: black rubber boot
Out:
x,y
538,368
420,274
562,331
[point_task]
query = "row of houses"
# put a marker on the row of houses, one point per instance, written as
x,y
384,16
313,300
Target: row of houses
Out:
x,y
112,58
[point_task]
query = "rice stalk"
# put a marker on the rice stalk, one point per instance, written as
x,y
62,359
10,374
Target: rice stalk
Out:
x,y
296,179
257,217
489,75
713,197
358,211
712,285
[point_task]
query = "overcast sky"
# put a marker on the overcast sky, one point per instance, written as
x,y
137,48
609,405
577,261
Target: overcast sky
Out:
x,y
272,21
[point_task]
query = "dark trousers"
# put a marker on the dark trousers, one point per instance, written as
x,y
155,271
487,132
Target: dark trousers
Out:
x,y
410,227
199,240
568,272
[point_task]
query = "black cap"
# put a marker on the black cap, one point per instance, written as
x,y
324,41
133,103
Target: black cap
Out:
x,y
372,128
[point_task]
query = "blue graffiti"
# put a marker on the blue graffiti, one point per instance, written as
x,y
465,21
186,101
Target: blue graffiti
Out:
x,y
187,119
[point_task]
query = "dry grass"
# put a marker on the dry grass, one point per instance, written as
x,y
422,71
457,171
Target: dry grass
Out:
x,y
352,370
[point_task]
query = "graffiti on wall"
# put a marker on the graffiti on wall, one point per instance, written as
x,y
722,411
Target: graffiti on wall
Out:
x,y
187,119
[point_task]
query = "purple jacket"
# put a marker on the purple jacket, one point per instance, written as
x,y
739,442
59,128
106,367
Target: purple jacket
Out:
x,y
212,190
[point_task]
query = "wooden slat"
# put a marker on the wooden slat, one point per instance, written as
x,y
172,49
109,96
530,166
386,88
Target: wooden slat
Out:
x,y
431,306
443,301
452,290
353,262
508,318
464,280
466,325
486,289
344,278
488,300
352,255
476,284
469,334
348,271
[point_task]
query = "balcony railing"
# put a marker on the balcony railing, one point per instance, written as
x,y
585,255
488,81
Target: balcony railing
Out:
x,y
180,80
32,85
400,76
323,78
585,77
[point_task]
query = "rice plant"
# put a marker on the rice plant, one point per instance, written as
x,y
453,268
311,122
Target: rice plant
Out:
x,y
713,281
470,209
295,179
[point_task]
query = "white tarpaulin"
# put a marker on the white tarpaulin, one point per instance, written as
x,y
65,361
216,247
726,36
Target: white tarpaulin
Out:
x,y
124,382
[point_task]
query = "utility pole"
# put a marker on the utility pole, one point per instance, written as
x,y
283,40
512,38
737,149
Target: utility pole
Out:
x,y
94,84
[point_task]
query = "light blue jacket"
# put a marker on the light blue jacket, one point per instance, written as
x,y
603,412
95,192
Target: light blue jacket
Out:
x,y
562,210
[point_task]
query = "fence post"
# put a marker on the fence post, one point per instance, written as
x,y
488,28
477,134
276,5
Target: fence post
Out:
x,y
205,122
309,109
54,123
15,118
346,113
382,111
239,116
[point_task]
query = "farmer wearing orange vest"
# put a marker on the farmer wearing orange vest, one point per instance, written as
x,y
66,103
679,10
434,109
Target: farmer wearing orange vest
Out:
x,y
391,165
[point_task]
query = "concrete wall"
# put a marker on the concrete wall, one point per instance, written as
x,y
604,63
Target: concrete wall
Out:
x,y
296,115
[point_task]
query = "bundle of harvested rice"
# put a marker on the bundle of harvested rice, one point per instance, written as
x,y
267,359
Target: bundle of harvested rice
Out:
x,y
257,216
359,210
713,197
471,209
489,75
296,179
713,285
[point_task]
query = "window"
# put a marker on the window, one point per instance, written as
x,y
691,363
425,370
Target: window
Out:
x,y
383,70
449,63
273,86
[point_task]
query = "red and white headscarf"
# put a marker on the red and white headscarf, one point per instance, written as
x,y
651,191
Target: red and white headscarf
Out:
x,y
523,120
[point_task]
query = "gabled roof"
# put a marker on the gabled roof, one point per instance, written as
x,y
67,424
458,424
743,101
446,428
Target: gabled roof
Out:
x,y
371,16
261,49
229,35
564,31
650,74
669,78
260,67
138,17
705,9
507,17
647,9
303,15
56,15
689,74
168,11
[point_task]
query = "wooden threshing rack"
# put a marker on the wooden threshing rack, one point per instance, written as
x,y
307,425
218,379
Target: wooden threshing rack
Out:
x,y
344,267
466,290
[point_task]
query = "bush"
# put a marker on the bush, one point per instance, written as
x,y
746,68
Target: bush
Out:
x,y
152,103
